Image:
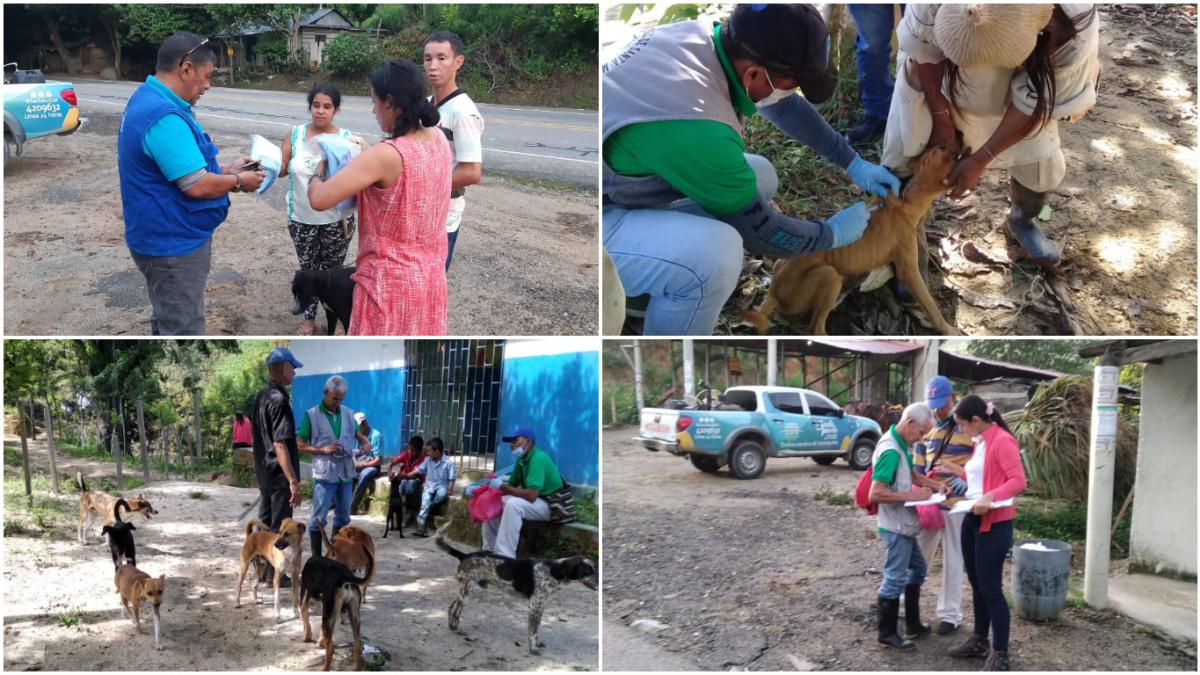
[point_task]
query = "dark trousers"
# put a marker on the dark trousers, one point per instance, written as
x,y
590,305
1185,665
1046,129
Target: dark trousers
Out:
x,y
275,499
983,558
451,237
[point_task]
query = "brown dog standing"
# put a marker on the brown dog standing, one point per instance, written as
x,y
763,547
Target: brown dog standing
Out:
x,y
812,283
95,505
350,547
134,585
277,550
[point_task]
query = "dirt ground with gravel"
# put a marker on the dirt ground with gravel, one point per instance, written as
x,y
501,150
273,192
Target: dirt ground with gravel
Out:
x,y
759,575
524,264
195,541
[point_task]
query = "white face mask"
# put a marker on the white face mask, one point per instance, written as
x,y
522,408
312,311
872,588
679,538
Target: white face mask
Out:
x,y
775,96
518,452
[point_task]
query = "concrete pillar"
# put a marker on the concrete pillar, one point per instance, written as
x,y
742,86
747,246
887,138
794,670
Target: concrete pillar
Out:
x,y
873,373
924,367
637,375
1101,466
772,361
689,368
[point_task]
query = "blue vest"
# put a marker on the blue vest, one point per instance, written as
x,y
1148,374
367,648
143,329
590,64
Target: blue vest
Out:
x,y
160,220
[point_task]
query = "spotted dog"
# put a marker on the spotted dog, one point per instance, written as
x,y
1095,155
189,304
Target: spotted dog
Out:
x,y
533,580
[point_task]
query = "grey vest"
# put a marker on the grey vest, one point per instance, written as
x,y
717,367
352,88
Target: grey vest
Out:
x,y
339,467
669,72
896,517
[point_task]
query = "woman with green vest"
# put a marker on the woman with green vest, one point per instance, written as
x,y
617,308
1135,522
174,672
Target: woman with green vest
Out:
x,y
329,434
682,199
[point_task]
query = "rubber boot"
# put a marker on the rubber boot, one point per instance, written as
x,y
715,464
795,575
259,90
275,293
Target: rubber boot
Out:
x,y
359,493
315,539
1026,205
869,130
976,647
889,612
913,628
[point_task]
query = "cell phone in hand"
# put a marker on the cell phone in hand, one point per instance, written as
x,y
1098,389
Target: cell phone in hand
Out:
x,y
252,166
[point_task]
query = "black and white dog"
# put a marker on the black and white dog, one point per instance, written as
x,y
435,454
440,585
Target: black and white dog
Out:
x,y
120,537
333,288
533,580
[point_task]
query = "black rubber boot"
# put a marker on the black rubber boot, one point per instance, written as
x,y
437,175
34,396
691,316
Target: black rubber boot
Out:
x,y
359,493
889,612
1026,205
315,539
976,647
913,628
869,130
996,661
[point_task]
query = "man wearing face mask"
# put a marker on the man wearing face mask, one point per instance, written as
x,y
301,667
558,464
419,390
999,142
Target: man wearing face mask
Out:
x,y
533,477
682,199
174,194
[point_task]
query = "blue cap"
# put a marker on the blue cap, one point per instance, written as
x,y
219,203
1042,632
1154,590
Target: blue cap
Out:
x,y
283,355
522,431
939,391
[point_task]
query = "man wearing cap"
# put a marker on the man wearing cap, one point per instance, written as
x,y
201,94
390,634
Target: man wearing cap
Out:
x,y
533,477
682,199
369,458
329,434
945,444
276,457
174,194
1004,76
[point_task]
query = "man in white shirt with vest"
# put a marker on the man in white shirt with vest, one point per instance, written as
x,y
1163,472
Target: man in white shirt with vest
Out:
x,y
460,120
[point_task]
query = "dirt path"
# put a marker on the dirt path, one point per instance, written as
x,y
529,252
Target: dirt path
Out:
x,y
195,540
1126,214
759,575
525,262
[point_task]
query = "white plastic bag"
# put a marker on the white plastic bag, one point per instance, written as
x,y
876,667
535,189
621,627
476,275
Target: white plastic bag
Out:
x,y
270,155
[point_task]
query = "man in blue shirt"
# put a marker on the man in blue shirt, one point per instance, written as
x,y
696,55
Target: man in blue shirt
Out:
x,y
174,194
439,474
370,456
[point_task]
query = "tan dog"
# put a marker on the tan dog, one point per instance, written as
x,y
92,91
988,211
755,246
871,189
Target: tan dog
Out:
x,y
95,505
812,283
134,586
281,551
350,546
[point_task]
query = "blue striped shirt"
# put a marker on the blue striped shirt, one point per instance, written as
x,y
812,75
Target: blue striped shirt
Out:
x,y
438,473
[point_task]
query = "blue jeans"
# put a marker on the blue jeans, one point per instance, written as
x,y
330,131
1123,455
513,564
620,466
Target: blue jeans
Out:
x,y
685,259
983,557
366,474
874,51
430,497
327,496
904,565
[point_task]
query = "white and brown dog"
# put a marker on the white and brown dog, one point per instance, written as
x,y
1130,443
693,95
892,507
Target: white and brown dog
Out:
x,y
95,505
281,551
134,586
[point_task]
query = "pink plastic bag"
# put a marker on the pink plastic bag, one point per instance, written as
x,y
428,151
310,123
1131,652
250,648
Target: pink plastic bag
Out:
x,y
486,505
930,516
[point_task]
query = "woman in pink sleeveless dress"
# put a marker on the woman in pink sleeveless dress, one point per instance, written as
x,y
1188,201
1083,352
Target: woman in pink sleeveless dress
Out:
x,y
403,189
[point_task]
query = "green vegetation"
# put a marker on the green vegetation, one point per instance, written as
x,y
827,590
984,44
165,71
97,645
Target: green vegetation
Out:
x,y
70,618
832,497
198,494
352,54
1064,521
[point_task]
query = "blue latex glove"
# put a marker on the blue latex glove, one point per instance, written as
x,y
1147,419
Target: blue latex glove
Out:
x,y
872,177
338,153
849,223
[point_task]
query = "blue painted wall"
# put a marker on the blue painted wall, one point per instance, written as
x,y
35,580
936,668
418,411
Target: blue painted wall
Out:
x,y
556,395
378,393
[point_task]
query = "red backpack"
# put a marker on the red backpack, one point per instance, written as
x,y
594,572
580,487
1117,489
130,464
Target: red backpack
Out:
x,y
862,493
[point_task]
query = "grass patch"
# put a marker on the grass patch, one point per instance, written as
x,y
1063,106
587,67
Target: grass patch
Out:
x,y
70,618
1064,521
12,456
13,527
198,494
832,497
587,511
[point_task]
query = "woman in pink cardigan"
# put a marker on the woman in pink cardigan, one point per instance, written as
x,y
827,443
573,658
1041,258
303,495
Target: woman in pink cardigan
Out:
x,y
993,474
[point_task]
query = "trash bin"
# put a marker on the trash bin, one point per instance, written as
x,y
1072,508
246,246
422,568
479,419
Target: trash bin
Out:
x,y
1040,572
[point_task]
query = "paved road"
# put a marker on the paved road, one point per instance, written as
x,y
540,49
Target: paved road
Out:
x,y
542,143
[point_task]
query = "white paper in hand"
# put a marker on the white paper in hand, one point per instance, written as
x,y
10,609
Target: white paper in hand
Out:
x,y
966,505
937,498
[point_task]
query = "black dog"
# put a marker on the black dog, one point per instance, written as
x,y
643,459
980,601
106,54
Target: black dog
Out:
x,y
534,580
338,590
333,288
395,514
120,537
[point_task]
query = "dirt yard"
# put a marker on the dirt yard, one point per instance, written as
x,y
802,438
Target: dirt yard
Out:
x,y
525,262
196,540
759,575
1126,214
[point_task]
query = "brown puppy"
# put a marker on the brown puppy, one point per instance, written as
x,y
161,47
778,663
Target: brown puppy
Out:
x,y
95,505
350,547
282,550
812,283
134,585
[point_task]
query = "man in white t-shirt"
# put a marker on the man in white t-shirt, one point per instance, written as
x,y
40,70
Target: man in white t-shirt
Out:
x,y
460,117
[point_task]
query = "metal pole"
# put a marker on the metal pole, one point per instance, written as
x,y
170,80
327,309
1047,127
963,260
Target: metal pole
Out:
x,y
707,374
689,368
50,447
25,455
772,362
637,377
142,439
1101,467
196,414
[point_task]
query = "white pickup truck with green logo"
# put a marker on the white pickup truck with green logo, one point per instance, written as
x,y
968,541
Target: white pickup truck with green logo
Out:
x,y
754,423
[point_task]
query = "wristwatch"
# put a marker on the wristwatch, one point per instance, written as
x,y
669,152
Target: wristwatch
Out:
x,y
238,187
